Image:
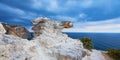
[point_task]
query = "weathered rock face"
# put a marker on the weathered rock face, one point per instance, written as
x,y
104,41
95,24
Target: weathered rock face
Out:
x,y
40,24
2,30
67,24
15,48
19,31
49,44
58,45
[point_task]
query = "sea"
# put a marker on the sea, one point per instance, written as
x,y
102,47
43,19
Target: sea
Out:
x,y
101,41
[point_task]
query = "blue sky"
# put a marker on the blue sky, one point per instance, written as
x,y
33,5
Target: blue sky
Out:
x,y
87,15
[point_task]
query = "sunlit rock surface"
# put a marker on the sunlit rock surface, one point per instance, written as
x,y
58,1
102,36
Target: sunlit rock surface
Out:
x,y
2,29
49,43
94,55
47,25
66,24
15,48
57,43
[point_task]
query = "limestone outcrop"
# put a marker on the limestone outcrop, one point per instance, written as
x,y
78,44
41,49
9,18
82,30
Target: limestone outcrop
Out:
x,y
17,30
41,23
49,43
16,48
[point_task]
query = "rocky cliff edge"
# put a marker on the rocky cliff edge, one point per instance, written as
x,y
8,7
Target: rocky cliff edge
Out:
x,y
49,43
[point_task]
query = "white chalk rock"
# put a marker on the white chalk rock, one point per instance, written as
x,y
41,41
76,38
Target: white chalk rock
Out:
x,y
51,44
58,44
95,55
2,30
61,46
15,48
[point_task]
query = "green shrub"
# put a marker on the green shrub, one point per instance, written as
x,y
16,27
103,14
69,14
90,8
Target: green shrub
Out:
x,y
87,43
114,53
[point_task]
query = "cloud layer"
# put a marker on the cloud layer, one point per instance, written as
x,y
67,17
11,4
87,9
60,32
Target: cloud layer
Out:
x,y
85,14
108,26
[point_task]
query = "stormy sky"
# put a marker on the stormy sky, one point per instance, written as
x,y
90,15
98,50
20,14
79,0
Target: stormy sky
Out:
x,y
87,15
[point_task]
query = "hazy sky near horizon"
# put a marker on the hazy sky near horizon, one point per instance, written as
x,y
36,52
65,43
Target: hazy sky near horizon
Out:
x,y
87,15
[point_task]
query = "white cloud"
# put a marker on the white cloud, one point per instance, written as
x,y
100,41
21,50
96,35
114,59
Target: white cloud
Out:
x,y
72,19
53,5
105,5
11,9
80,3
18,12
29,15
86,3
67,18
36,4
17,20
57,6
99,26
82,15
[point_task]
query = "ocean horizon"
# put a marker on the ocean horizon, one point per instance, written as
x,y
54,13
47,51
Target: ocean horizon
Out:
x,y
101,41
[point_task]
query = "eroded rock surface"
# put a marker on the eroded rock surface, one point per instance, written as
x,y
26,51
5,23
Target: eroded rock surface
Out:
x,y
15,48
16,30
2,30
40,24
49,43
66,24
59,45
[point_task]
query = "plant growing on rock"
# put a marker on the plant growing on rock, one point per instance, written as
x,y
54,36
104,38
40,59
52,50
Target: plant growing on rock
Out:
x,y
114,53
87,43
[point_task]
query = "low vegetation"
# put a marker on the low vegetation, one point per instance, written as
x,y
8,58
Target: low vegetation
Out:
x,y
87,43
114,53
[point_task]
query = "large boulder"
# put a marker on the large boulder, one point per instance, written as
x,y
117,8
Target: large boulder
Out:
x,y
17,30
